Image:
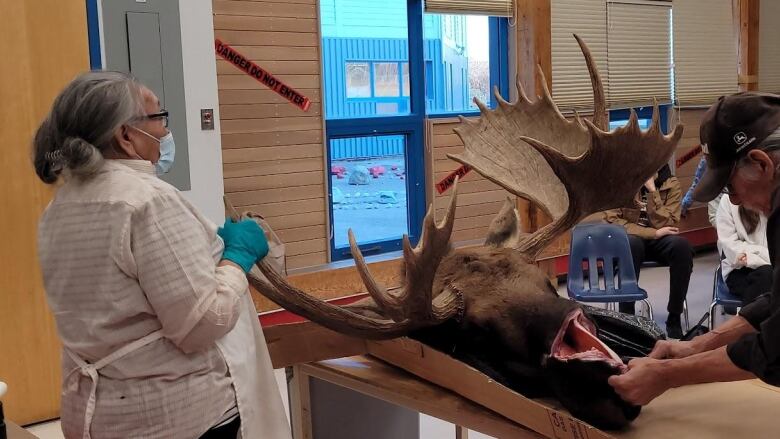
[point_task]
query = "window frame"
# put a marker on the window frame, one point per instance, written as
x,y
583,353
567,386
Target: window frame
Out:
x,y
370,81
498,27
371,78
411,125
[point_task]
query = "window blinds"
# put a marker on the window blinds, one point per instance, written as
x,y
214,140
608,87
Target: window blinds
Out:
x,y
639,53
705,51
571,85
630,42
496,8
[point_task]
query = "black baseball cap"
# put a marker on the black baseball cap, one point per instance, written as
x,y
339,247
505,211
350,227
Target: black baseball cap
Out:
x,y
732,127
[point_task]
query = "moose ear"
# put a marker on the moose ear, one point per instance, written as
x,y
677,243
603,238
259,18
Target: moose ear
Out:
x,y
504,230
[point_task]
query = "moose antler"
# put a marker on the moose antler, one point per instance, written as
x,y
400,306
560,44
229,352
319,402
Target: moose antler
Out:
x,y
413,307
571,169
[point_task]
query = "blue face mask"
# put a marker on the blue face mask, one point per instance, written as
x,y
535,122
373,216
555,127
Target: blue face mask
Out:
x,y
167,153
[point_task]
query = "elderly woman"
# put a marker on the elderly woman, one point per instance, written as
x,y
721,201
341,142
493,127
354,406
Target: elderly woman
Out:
x,y
160,337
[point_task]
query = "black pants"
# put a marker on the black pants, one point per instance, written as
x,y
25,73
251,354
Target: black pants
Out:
x,y
672,250
749,283
227,431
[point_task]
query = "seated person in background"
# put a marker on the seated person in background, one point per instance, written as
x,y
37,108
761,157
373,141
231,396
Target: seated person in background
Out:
x,y
687,201
712,210
653,236
742,241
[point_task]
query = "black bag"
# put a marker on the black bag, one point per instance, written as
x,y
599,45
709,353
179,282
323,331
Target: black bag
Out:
x,y
626,334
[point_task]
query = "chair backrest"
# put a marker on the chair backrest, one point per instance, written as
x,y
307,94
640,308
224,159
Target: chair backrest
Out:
x,y
603,246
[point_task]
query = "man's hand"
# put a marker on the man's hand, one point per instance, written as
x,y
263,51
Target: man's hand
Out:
x,y
668,349
742,260
643,382
650,184
663,231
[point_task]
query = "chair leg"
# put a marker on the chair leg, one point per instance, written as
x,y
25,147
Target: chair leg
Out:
x,y
685,315
649,308
712,315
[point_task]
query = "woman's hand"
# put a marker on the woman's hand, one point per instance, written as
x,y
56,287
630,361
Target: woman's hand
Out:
x,y
245,243
742,260
663,231
650,185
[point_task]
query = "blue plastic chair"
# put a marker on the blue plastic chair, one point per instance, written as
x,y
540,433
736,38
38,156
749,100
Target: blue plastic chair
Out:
x,y
721,296
603,248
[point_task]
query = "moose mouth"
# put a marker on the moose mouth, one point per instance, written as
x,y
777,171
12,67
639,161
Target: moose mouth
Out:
x,y
577,340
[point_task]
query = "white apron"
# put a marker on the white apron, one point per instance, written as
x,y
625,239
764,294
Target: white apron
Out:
x,y
246,354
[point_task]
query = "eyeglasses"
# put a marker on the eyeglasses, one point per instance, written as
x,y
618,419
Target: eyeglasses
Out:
x,y
163,114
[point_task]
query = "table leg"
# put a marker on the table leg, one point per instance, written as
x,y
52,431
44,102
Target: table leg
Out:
x,y
300,404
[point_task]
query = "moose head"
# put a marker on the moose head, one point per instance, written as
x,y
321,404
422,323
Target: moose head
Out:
x,y
490,304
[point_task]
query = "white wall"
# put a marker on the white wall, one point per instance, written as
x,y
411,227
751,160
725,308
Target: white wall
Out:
x,y
200,91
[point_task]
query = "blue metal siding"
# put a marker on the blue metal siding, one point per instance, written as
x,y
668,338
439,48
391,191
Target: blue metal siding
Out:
x,y
432,26
360,18
346,24
337,52
447,90
366,147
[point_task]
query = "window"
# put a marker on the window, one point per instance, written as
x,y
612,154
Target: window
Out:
x,y
619,118
405,79
368,187
643,123
386,80
358,80
384,68
459,53
390,80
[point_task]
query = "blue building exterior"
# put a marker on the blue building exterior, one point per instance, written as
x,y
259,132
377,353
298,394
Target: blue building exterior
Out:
x,y
365,62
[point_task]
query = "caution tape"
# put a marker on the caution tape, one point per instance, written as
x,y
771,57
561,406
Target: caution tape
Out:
x,y
261,75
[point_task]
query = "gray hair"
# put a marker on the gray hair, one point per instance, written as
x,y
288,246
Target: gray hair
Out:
x,y
771,146
81,124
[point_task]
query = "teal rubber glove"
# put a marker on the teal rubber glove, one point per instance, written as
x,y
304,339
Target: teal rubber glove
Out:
x,y
245,243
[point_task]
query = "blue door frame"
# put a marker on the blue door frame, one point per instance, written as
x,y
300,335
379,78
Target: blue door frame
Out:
x,y
93,35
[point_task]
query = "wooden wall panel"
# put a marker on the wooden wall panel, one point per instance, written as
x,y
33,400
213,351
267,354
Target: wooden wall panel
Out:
x,y
479,199
273,152
691,119
48,50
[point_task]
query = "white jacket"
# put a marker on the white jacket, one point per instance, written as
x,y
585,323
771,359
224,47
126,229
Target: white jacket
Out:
x,y
734,240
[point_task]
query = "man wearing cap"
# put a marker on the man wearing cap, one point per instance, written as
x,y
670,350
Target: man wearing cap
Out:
x,y
740,136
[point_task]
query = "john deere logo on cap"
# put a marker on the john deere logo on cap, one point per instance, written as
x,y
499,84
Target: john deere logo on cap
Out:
x,y
740,138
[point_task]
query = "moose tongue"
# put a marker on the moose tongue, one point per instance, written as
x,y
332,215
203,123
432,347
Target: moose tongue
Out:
x,y
577,340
